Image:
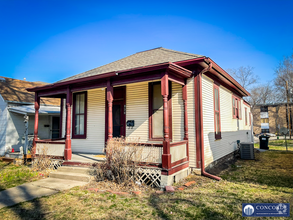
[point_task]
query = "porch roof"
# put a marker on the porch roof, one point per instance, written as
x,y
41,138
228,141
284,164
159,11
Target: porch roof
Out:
x,y
30,110
178,63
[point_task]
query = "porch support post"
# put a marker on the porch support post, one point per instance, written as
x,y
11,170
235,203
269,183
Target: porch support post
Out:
x,y
184,97
110,112
166,157
68,151
37,107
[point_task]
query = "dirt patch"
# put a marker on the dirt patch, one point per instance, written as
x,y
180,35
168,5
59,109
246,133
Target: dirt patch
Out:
x,y
218,168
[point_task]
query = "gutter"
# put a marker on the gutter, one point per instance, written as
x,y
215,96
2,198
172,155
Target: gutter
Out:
x,y
200,117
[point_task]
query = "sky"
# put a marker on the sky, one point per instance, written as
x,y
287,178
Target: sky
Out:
x,y
49,40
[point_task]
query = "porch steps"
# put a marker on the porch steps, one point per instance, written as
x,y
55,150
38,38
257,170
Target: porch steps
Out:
x,y
72,173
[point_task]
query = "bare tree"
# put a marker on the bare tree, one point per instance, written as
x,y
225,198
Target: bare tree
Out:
x,y
262,94
284,72
245,76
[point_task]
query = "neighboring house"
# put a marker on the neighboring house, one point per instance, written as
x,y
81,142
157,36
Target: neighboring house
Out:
x,y
270,118
182,106
15,103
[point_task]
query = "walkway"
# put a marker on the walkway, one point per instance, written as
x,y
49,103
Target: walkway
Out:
x,y
30,191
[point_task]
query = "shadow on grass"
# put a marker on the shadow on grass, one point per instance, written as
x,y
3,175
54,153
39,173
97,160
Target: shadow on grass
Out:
x,y
33,210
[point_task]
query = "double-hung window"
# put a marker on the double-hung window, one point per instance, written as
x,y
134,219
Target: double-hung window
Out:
x,y
79,115
156,112
236,107
245,116
217,116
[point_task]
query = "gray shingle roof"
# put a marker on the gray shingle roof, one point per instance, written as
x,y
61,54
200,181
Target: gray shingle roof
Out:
x,y
140,59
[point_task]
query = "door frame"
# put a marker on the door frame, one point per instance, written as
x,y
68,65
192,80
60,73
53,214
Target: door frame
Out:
x,y
117,97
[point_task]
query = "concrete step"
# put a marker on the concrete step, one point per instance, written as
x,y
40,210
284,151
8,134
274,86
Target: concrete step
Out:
x,y
70,176
68,169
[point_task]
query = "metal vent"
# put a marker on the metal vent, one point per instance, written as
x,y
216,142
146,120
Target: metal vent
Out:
x,y
247,150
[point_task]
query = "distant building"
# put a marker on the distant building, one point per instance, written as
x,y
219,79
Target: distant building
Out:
x,y
15,103
270,118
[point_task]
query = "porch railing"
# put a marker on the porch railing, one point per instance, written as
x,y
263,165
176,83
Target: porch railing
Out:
x,y
54,148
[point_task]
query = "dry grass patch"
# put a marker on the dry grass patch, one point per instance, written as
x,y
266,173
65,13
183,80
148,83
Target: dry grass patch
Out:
x,y
268,179
13,175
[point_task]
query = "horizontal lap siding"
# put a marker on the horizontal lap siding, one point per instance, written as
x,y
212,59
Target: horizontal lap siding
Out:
x,y
137,110
95,140
177,113
3,125
215,149
191,122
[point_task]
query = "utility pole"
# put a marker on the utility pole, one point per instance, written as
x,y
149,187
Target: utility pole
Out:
x,y
288,110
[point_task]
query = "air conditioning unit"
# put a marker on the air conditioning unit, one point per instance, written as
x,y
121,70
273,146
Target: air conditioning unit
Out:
x,y
247,150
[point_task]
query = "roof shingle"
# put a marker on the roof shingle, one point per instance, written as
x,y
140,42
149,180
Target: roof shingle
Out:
x,y
14,90
140,59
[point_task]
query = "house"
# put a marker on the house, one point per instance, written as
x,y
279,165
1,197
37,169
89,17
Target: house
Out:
x,y
15,103
270,118
180,105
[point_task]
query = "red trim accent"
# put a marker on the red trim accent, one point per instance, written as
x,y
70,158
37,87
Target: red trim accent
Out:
x,y
179,162
50,142
245,116
150,98
198,116
110,110
237,102
217,135
176,79
68,151
167,65
61,118
79,136
175,169
36,127
199,121
184,97
245,103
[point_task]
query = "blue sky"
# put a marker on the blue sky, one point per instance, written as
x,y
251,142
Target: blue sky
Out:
x,y
49,40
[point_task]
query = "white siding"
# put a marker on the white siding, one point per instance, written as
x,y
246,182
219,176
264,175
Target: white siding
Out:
x,y
232,129
95,140
16,129
3,125
191,122
137,110
177,113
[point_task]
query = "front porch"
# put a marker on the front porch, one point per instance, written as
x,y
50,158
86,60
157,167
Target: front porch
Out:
x,y
149,107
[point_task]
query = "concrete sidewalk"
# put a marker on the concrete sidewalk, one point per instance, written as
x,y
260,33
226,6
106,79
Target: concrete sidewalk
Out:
x,y
30,191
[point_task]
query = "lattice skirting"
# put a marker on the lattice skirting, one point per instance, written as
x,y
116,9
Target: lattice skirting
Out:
x,y
51,164
149,176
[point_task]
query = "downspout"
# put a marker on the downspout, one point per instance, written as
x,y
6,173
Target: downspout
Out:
x,y
199,99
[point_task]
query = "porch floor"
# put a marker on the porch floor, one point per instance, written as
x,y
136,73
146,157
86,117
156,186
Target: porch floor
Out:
x,y
87,158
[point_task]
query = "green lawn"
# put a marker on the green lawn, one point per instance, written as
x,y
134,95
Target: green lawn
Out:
x,y
268,179
12,175
278,145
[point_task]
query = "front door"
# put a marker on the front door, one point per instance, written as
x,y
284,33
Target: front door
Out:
x,y
118,119
55,127
119,113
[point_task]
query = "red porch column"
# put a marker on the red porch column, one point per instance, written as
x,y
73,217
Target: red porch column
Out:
x,y
68,151
110,112
166,157
184,97
37,107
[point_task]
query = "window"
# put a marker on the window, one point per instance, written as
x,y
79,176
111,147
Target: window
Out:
x,y
265,130
245,116
236,105
264,120
250,115
264,108
217,112
156,112
79,115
